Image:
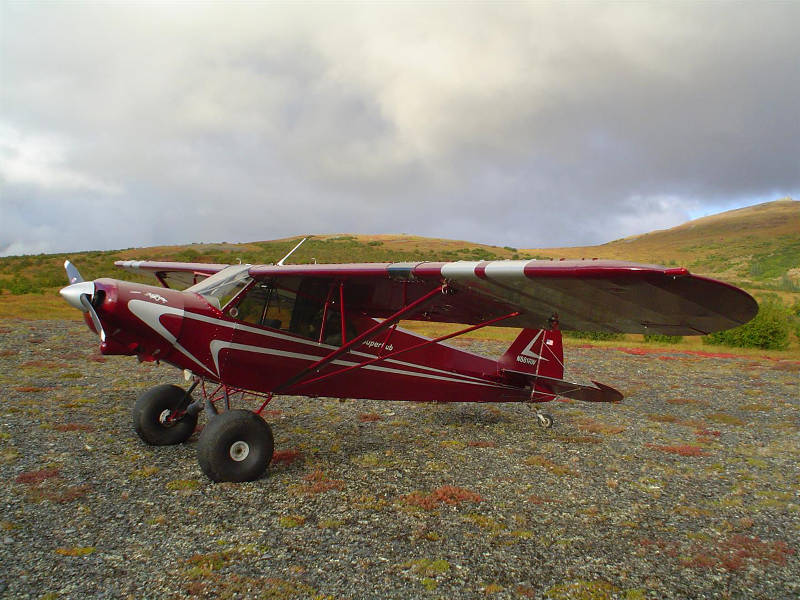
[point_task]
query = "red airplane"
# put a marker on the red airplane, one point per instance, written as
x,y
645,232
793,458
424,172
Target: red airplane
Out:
x,y
332,330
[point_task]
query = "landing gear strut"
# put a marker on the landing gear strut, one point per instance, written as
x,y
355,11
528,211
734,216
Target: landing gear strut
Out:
x,y
235,445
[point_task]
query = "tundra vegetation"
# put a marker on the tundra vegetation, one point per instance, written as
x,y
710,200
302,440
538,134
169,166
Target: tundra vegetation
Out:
x,y
756,248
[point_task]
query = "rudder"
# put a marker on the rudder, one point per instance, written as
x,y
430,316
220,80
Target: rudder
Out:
x,y
536,351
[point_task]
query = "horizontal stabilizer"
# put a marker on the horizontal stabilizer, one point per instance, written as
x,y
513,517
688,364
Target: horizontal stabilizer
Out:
x,y
568,389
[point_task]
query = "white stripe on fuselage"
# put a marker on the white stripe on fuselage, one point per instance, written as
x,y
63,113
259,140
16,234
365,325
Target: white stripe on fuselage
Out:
x,y
288,338
150,313
218,345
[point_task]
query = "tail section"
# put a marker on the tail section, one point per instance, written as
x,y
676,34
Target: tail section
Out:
x,y
536,352
536,359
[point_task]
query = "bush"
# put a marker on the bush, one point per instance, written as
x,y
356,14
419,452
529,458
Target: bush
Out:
x,y
659,338
593,335
768,330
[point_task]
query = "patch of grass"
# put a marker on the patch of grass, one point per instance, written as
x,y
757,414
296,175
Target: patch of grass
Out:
x,y
657,338
756,407
582,590
76,551
144,472
686,401
330,524
594,335
485,522
724,418
428,567
290,521
546,463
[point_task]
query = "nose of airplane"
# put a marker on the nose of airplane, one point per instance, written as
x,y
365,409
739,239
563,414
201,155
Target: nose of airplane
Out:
x,y
72,294
83,296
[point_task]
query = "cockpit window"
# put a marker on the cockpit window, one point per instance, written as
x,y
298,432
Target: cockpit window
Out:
x,y
221,287
300,312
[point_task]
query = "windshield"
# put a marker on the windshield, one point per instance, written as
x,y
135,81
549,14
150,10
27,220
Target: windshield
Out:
x,y
221,287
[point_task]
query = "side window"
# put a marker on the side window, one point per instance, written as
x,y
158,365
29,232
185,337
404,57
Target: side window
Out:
x,y
267,306
300,313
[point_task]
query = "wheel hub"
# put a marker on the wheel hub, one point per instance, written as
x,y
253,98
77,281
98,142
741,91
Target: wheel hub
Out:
x,y
163,418
239,450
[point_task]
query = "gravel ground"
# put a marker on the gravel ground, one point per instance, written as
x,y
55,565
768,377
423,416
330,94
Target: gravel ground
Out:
x,y
687,489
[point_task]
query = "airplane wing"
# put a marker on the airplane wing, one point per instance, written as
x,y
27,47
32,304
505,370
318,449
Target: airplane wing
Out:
x,y
587,295
172,274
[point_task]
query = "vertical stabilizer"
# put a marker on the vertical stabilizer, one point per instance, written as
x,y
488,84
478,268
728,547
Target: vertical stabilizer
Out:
x,y
535,351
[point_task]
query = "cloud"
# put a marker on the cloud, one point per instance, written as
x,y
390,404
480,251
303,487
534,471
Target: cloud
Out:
x,y
515,124
38,161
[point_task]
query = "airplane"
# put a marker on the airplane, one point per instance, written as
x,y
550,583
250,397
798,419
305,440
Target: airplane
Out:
x,y
249,332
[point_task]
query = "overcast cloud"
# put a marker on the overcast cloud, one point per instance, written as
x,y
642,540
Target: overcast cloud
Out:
x,y
517,124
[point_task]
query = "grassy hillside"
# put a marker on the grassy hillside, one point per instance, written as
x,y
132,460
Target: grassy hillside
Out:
x,y
757,247
29,284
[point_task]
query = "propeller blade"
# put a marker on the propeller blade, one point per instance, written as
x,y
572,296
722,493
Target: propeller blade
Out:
x,y
73,274
80,295
87,304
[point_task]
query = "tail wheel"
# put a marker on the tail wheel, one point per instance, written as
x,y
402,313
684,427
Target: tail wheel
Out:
x,y
545,420
236,445
157,416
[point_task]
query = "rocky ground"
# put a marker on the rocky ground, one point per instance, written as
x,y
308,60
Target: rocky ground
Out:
x,y
688,489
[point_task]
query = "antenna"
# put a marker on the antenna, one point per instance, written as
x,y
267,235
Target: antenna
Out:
x,y
281,261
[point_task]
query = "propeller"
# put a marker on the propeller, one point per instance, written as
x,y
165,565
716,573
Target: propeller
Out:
x,y
80,294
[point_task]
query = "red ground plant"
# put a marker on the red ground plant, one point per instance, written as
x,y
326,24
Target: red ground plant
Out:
x,y
369,417
447,494
285,456
736,552
318,483
36,477
684,450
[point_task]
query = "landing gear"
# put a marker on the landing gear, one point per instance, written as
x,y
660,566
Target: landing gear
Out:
x,y
545,420
160,417
236,445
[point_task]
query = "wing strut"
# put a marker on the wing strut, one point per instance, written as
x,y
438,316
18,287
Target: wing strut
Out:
x,y
385,324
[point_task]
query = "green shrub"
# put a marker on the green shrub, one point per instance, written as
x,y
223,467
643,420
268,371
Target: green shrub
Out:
x,y
659,338
768,330
593,335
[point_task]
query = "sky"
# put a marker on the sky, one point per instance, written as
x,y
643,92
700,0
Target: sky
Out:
x,y
516,124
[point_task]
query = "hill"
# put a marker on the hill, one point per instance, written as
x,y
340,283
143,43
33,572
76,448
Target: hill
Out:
x,y
757,247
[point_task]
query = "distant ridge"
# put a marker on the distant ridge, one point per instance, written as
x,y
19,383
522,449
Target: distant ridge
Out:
x,y
756,245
